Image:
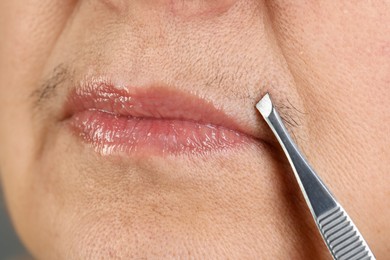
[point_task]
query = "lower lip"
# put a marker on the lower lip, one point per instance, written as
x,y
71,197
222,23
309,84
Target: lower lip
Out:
x,y
111,134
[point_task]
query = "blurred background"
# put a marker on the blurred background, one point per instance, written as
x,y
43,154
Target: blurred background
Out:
x,y
10,246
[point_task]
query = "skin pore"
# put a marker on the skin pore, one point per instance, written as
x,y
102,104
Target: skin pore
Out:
x,y
326,64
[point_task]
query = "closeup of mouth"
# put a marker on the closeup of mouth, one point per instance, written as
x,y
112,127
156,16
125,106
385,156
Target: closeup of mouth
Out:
x,y
149,121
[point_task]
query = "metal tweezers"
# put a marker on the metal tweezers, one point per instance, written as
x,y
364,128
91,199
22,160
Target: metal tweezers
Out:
x,y
341,236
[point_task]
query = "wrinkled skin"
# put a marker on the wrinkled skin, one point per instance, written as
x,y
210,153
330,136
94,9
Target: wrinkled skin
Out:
x,y
326,62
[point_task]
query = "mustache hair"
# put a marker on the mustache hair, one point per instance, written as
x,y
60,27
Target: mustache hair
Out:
x,y
47,89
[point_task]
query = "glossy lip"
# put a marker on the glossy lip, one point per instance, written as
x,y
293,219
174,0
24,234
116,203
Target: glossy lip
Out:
x,y
149,121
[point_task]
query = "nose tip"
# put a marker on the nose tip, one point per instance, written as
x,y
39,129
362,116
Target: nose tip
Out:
x,y
178,8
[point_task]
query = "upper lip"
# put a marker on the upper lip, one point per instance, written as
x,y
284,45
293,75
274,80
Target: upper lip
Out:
x,y
162,103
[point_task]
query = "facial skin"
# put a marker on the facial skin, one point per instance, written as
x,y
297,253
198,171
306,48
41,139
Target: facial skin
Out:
x,y
326,64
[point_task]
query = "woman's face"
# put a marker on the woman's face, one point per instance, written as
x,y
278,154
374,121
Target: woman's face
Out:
x,y
128,128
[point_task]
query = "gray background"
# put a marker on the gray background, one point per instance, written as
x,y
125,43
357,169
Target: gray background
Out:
x,y
10,246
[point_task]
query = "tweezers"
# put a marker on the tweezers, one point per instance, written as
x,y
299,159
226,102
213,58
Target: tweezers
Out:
x,y
340,234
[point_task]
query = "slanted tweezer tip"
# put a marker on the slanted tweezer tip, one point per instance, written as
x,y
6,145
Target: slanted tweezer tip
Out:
x,y
265,105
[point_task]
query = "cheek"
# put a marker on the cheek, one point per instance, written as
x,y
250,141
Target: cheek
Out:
x,y
338,50
30,29
340,43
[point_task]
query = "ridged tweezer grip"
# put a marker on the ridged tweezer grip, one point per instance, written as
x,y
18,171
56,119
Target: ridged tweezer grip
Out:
x,y
341,236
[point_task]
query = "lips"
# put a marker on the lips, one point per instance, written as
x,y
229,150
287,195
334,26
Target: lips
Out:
x,y
149,121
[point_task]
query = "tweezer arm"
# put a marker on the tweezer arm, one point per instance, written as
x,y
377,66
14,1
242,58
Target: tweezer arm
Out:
x,y
337,229
316,194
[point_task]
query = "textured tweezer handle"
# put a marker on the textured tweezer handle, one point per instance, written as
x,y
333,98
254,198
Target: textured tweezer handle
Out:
x,y
341,236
